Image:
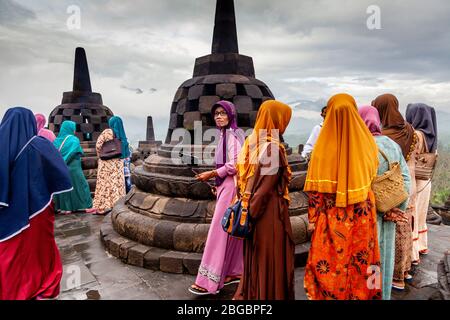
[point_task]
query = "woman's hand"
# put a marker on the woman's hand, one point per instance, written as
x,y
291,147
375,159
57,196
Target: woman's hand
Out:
x,y
205,176
396,215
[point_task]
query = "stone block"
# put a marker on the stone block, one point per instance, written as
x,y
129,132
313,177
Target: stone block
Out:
x,y
180,94
114,245
77,119
152,258
191,82
181,207
192,262
299,229
106,229
87,127
68,112
200,236
190,118
124,249
136,255
243,104
253,91
87,112
163,234
96,119
183,236
142,200
196,92
173,123
226,90
206,103
107,239
172,262
58,119
181,106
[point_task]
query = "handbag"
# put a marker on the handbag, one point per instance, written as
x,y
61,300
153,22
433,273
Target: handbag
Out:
x,y
111,149
236,219
389,187
425,164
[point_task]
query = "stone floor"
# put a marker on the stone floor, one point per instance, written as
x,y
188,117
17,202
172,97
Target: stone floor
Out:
x,y
91,273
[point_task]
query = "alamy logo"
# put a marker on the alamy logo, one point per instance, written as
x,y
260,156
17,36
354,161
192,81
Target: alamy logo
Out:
x,y
374,20
74,20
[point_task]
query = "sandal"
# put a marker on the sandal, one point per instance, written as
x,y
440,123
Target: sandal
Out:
x,y
424,252
64,213
232,281
415,262
398,285
102,213
199,291
408,278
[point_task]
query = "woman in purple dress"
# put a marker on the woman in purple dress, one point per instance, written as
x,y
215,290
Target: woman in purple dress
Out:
x,y
222,261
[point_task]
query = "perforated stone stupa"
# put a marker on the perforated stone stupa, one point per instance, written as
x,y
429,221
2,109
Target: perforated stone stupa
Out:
x,y
163,222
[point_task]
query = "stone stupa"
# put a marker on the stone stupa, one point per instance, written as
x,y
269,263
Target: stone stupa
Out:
x,y
162,224
86,109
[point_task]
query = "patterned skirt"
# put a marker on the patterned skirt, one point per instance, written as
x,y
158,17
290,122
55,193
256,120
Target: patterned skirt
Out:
x,y
344,259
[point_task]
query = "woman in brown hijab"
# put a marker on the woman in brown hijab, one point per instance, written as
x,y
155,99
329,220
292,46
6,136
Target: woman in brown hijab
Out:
x,y
263,179
396,128
394,125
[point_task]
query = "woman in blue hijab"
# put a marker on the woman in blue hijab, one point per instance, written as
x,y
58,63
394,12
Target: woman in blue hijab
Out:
x,y
31,172
79,199
111,182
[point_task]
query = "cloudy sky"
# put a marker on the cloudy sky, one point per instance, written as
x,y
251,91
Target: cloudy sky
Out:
x,y
140,51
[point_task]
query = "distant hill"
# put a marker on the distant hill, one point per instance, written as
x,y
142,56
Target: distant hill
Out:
x,y
306,114
443,119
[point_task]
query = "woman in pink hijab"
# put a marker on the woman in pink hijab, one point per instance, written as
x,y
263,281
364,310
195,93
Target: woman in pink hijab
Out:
x,y
40,121
395,260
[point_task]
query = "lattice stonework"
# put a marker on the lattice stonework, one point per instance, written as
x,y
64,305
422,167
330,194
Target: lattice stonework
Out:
x,y
81,105
195,98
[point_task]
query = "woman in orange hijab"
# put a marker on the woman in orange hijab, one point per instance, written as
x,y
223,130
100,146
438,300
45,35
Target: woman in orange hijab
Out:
x,y
263,178
344,247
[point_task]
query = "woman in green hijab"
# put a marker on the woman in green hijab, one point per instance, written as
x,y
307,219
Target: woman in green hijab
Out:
x,y
116,125
79,199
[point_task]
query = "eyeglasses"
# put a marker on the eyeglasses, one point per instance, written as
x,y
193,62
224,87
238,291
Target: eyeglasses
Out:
x,y
220,113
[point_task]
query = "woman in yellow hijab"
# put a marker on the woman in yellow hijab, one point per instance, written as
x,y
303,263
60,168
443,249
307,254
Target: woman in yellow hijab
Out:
x,y
263,180
344,247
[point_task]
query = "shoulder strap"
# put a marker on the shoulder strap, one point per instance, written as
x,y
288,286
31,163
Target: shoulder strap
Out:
x,y
424,141
251,185
62,144
384,156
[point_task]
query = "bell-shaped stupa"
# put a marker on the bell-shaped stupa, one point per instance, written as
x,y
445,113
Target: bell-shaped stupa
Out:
x,y
81,105
163,222
86,109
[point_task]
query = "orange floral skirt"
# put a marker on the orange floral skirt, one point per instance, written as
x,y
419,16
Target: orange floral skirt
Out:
x,y
344,259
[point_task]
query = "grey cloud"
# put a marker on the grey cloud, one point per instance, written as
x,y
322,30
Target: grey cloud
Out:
x,y
302,49
139,90
13,13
